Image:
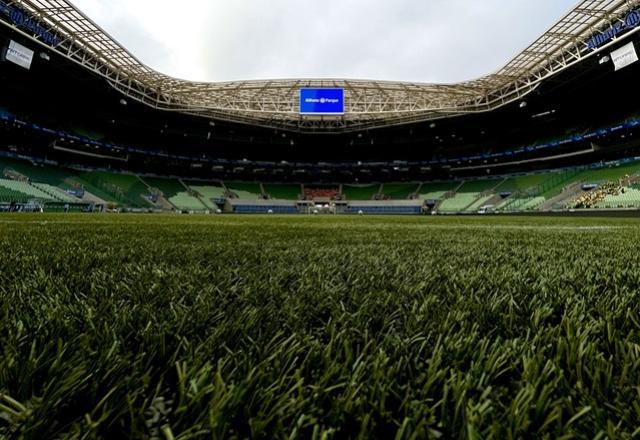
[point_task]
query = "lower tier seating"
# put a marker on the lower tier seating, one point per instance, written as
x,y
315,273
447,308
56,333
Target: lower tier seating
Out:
x,y
28,190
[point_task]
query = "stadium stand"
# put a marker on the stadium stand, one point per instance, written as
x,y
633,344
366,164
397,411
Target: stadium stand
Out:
x,y
125,189
609,173
399,191
176,193
26,188
35,172
437,190
77,181
56,193
396,207
361,192
627,197
509,135
610,186
9,195
521,183
552,185
468,195
248,191
479,203
244,206
209,193
283,192
61,184
311,193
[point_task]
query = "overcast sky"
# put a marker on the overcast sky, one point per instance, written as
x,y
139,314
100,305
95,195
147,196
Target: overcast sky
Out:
x,y
408,40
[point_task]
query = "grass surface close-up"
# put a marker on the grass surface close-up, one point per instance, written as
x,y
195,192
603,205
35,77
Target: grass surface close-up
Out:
x,y
169,327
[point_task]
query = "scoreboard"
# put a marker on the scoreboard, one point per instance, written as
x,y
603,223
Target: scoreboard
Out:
x,y
322,101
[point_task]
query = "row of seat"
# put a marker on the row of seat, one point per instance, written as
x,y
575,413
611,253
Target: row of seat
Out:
x,y
26,191
630,198
385,210
49,183
265,209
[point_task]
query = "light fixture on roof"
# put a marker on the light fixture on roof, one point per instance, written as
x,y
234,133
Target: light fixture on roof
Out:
x,y
605,59
123,102
523,104
45,56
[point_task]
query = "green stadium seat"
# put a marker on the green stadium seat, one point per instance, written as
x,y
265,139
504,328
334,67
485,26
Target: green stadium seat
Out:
x,y
208,193
176,193
437,191
468,195
56,193
630,198
283,192
30,191
124,189
399,191
245,191
360,192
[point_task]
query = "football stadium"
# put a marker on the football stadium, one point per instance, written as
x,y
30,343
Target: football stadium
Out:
x,y
319,258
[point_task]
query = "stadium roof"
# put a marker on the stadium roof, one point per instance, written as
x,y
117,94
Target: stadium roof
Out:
x,y
275,103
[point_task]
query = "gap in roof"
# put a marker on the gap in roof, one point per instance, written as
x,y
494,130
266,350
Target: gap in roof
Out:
x,y
439,41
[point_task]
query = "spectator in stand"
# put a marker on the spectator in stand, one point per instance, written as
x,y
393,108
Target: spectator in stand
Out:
x,y
321,193
592,198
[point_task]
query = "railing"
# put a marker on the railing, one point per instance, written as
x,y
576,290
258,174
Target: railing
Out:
x,y
522,198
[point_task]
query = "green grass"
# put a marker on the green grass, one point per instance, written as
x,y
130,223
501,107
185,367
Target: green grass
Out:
x,y
271,327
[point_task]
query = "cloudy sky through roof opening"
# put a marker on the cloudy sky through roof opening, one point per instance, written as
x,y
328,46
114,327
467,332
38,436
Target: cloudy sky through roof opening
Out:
x,y
404,40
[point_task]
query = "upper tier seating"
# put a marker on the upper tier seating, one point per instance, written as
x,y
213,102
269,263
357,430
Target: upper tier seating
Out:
x,y
436,191
521,183
399,191
360,192
283,192
609,174
37,173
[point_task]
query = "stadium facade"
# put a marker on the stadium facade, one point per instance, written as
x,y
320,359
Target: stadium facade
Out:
x,y
555,128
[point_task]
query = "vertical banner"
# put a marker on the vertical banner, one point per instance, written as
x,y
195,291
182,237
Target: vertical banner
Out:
x,y
625,56
20,55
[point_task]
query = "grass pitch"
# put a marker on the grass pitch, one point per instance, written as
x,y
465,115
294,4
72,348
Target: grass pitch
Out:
x,y
171,327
